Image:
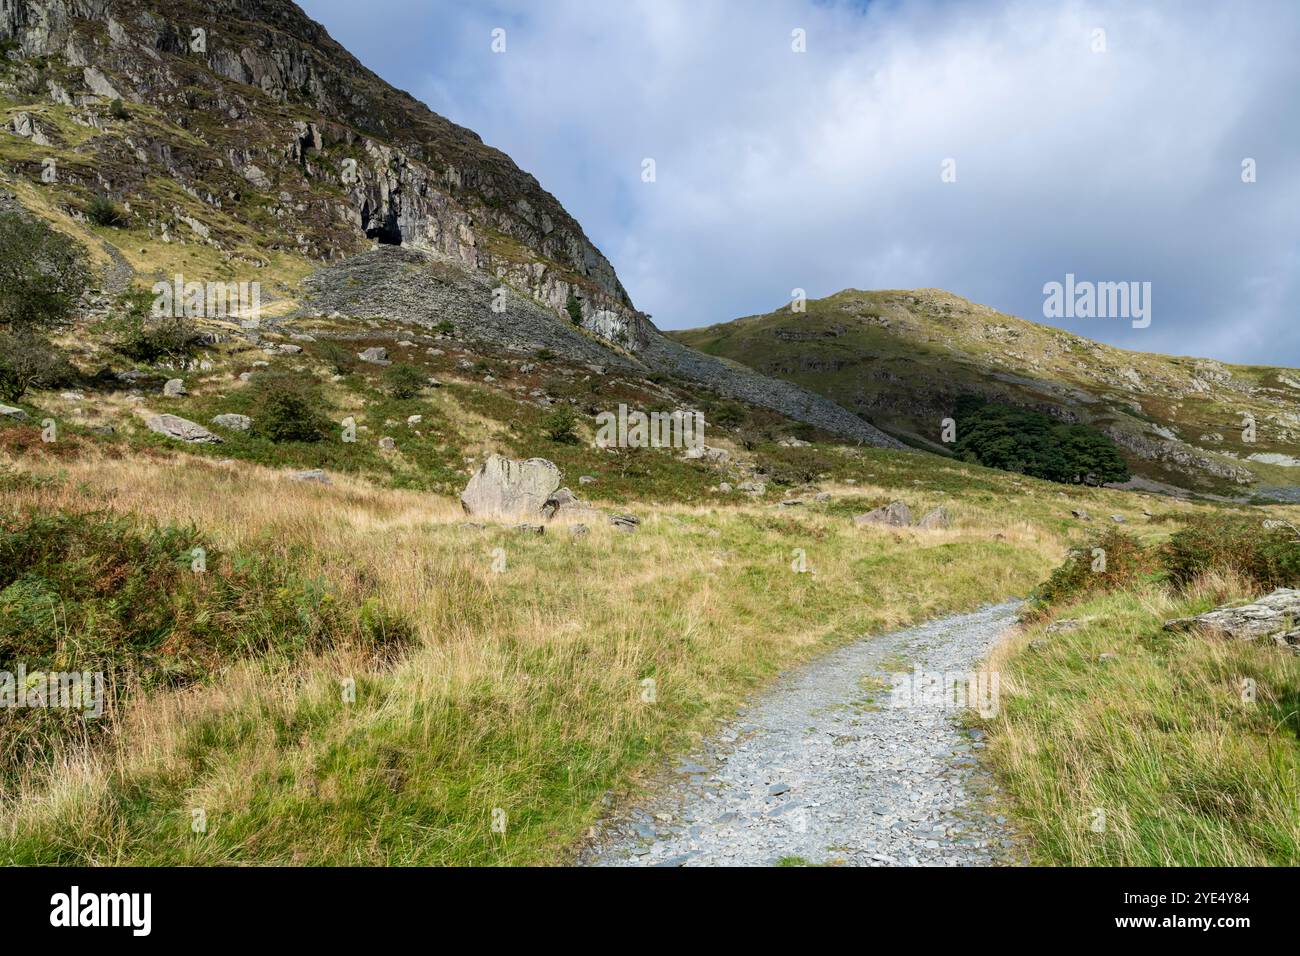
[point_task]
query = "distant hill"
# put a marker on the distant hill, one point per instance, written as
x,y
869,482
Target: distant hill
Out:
x,y
902,358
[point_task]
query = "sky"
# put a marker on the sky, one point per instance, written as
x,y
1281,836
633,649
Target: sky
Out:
x,y
985,147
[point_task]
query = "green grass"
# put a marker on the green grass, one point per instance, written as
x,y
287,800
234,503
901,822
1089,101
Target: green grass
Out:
x,y
1158,739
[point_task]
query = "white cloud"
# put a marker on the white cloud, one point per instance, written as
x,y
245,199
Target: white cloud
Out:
x,y
822,170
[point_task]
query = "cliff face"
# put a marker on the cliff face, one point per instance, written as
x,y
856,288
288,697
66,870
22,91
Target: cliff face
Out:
x,y
248,144
258,117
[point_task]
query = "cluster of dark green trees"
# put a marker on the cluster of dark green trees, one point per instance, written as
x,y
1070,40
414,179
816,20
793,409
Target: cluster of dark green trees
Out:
x,y
1031,443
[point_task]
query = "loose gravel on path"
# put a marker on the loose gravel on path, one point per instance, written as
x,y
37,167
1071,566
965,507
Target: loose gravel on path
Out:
x,y
829,767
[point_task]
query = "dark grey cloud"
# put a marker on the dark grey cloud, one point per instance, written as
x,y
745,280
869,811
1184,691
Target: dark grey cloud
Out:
x,y
822,170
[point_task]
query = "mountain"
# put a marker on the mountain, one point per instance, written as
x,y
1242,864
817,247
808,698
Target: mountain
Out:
x,y
902,358
243,143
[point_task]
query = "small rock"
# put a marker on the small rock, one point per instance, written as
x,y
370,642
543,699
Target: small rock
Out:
x,y
938,518
378,355
239,423
14,414
586,480
387,444
174,388
315,474
625,522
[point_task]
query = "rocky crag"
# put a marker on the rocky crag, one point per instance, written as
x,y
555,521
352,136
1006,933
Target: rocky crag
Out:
x,y
240,129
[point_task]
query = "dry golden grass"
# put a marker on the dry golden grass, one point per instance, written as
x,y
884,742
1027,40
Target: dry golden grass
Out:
x,y
524,691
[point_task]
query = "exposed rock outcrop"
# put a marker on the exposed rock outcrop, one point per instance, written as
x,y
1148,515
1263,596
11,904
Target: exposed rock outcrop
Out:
x,y
1275,616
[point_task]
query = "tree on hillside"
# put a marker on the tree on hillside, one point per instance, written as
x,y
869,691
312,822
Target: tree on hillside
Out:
x,y
42,274
1031,443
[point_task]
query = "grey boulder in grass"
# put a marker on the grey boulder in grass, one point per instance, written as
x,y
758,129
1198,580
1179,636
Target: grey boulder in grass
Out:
x,y
507,487
895,514
182,429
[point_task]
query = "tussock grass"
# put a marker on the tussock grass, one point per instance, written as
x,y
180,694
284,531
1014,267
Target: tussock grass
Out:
x,y
1159,738
522,690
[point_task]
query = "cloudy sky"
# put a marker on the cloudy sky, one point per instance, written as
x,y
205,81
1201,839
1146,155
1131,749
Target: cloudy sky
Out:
x,y
1114,155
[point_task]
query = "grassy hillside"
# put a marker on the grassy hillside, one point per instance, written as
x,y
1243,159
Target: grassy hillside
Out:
x,y
901,359
519,690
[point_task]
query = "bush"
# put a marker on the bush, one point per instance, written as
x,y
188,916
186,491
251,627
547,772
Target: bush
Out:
x,y
288,408
117,110
102,211
144,338
28,360
1031,443
342,360
796,466
1269,556
561,426
42,274
403,381
1126,561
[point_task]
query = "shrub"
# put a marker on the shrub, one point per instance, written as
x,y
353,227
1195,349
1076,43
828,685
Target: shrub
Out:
x,y
561,426
98,592
144,338
1126,561
342,360
42,274
574,308
796,466
117,110
403,381
288,408
102,211
728,415
1267,555
28,360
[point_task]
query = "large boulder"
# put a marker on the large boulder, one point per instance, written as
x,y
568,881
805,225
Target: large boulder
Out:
x,y
1275,616
895,514
508,488
182,429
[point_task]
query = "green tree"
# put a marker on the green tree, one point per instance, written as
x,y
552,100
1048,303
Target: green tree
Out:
x,y
561,425
42,274
1031,443
574,308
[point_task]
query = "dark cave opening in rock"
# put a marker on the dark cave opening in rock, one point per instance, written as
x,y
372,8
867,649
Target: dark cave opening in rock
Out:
x,y
383,229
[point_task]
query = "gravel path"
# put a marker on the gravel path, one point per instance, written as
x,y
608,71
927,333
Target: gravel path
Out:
x,y
829,767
